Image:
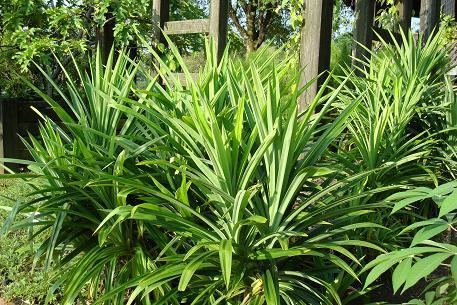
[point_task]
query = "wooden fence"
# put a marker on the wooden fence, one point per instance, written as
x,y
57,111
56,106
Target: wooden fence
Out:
x,y
18,120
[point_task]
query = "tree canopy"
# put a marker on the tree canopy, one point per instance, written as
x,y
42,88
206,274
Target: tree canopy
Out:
x,y
41,30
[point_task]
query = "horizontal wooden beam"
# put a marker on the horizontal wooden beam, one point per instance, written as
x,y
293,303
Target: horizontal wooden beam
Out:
x,y
186,27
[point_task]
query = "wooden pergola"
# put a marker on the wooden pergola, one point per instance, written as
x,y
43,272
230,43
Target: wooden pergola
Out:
x,y
316,32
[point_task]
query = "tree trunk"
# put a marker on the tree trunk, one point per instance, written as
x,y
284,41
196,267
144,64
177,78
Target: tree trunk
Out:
x,y
249,45
250,30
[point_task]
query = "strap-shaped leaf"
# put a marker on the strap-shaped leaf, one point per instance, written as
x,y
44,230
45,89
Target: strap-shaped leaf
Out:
x,y
190,269
271,288
225,257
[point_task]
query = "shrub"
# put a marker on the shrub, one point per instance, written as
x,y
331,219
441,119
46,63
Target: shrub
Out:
x,y
219,191
199,194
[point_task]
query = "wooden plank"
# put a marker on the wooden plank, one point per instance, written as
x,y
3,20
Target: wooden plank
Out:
x,y
363,33
218,19
315,41
160,15
429,16
405,10
187,27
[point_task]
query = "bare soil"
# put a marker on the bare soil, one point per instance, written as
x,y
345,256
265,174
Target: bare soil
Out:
x,y
3,302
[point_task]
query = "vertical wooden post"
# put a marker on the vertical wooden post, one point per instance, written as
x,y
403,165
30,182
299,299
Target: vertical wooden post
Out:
x,y
218,21
363,31
429,16
8,131
450,7
160,15
405,10
316,36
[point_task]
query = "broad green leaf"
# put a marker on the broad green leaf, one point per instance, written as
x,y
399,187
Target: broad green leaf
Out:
x,y
428,232
424,267
449,204
378,270
401,273
406,202
454,268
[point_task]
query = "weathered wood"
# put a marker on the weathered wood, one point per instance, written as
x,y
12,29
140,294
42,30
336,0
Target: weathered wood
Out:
x,y
429,16
363,33
218,19
160,15
316,35
450,7
405,10
187,26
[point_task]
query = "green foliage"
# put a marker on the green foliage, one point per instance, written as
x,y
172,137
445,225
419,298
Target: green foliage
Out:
x,y
388,130
425,253
37,31
175,194
341,54
220,191
449,25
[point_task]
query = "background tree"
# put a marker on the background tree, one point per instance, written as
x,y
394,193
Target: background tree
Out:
x,y
42,30
257,20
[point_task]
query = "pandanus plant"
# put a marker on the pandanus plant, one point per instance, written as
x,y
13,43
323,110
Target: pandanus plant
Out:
x,y
87,137
252,215
212,192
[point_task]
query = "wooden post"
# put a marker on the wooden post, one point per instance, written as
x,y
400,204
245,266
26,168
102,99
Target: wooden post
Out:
x,y
160,15
218,21
429,16
450,7
363,32
316,36
8,131
405,10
